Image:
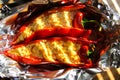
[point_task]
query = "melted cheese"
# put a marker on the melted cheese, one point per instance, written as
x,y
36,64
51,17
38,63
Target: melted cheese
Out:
x,y
57,19
60,51
67,18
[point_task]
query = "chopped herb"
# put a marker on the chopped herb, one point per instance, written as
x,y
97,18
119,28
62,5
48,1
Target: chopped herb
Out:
x,y
89,52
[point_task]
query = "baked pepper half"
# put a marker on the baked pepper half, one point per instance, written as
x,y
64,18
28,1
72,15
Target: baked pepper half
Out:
x,y
58,21
58,50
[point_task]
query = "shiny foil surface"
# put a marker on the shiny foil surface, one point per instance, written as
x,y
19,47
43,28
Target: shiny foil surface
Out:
x,y
10,69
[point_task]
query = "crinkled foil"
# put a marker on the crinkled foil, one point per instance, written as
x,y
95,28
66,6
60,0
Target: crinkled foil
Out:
x,y
10,69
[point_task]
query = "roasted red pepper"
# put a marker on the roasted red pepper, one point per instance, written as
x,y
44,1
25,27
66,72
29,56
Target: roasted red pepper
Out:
x,y
63,50
54,32
77,22
54,22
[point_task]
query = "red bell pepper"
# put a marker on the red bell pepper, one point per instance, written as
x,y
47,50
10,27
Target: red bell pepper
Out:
x,y
53,32
53,22
59,50
77,21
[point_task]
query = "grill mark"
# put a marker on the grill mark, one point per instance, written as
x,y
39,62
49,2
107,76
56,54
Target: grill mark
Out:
x,y
45,52
41,23
35,50
50,54
22,51
61,51
60,54
66,18
72,52
56,19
